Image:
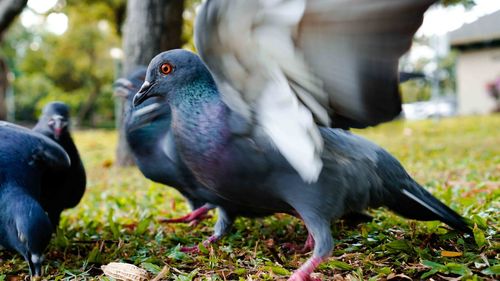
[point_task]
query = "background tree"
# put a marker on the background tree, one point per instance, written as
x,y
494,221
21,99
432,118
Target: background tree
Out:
x,y
74,67
9,9
151,26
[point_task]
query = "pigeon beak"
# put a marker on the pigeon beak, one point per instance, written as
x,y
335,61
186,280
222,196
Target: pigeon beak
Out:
x,y
35,268
122,87
58,127
143,93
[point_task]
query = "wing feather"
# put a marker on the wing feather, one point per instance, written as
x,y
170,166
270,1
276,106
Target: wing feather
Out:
x,y
287,65
41,149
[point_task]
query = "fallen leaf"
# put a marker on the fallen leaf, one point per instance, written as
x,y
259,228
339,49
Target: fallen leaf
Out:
x,y
451,254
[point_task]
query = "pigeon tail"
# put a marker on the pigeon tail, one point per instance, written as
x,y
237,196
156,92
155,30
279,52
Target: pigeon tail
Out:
x,y
415,202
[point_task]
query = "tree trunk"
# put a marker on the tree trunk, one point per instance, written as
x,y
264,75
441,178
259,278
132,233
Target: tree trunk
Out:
x,y
9,9
151,26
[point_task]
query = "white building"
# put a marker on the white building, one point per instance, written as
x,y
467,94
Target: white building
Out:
x,y
478,63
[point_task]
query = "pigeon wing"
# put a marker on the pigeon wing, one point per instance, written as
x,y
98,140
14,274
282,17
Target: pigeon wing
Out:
x,y
288,65
44,151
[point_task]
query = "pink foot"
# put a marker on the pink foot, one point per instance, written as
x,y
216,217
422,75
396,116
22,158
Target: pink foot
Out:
x,y
195,249
304,272
308,246
193,218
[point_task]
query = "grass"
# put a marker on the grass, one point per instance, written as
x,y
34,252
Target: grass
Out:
x,y
458,160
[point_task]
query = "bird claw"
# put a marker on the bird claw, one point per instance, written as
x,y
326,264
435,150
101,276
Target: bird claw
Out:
x,y
193,218
304,272
190,249
196,249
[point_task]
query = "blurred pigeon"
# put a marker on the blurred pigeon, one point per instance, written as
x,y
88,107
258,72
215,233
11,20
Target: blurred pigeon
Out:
x,y
151,142
60,190
147,131
25,157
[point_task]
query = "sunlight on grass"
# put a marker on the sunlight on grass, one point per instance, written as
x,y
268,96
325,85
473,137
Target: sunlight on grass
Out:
x,y
457,159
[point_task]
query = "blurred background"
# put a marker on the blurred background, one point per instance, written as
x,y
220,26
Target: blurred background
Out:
x,y
72,51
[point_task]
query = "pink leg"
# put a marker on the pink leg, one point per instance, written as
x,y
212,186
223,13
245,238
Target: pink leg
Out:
x,y
194,217
304,272
195,249
309,245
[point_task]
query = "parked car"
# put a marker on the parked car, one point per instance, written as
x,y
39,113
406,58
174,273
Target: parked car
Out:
x,y
429,109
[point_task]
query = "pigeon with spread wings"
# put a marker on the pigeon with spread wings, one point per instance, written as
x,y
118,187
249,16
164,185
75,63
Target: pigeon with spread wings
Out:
x,y
270,90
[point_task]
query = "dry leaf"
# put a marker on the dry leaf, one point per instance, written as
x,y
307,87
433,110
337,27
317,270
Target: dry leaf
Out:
x,y
451,254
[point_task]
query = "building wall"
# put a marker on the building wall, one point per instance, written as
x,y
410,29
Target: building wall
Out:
x,y
475,69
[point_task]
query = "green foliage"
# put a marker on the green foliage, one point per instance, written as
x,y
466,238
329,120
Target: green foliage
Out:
x,y
466,3
458,160
188,28
75,67
420,89
415,91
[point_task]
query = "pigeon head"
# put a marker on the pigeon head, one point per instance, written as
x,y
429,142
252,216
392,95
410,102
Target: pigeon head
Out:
x,y
31,232
55,119
170,72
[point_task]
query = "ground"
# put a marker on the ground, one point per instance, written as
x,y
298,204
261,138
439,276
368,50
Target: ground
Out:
x,y
458,160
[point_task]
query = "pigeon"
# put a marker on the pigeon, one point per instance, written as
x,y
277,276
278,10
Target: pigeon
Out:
x,y
248,170
60,190
25,157
252,118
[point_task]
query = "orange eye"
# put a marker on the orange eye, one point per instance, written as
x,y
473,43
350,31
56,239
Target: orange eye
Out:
x,y
166,68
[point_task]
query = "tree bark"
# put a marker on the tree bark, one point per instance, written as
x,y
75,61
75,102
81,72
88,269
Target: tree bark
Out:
x,y
9,9
151,26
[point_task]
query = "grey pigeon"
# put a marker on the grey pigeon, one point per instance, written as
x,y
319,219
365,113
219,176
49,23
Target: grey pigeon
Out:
x,y
25,157
246,168
61,190
250,124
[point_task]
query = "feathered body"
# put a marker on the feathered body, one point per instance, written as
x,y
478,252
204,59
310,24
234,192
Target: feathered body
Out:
x,y
25,158
244,166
